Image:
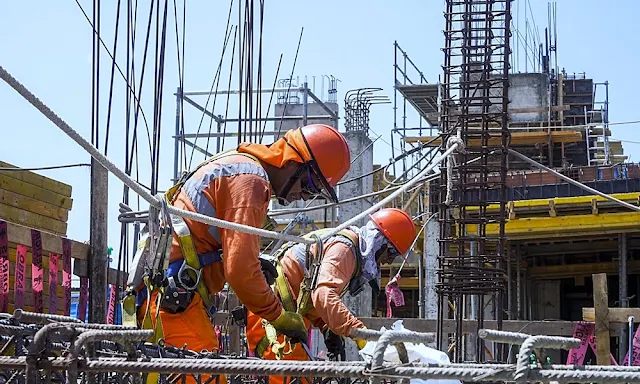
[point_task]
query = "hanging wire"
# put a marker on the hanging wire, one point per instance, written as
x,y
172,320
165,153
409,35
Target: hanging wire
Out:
x,y
273,91
226,110
286,98
225,40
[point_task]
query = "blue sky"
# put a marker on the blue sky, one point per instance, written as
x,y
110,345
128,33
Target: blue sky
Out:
x,y
47,46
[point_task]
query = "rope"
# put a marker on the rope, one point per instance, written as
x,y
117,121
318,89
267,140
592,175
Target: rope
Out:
x,y
451,141
392,196
39,105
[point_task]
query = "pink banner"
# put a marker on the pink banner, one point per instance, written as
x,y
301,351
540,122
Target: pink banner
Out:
x,y
584,332
111,310
21,276
4,267
83,300
53,283
37,278
394,294
66,275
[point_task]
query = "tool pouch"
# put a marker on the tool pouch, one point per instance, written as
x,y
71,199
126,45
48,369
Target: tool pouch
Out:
x,y
175,299
239,316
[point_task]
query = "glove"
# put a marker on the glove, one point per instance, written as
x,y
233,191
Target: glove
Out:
x,y
291,324
269,270
359,342
335,346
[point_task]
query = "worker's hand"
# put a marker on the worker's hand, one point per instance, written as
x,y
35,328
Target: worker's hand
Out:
x,y
359,342
335,346
292,325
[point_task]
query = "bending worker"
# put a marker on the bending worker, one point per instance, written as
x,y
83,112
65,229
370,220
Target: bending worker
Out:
x,y
236,186
351,259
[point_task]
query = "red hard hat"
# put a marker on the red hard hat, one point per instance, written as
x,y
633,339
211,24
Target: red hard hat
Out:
x,y
329,149
397,227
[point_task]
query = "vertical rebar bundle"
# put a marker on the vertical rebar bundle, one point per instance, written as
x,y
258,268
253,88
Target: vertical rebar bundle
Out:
x,y
357,108
473,107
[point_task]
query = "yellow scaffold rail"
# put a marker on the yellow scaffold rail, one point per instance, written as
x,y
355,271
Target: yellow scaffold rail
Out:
x,y
565,226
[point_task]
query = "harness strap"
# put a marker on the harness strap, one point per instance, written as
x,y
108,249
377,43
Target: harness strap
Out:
x,y
191,259
303,304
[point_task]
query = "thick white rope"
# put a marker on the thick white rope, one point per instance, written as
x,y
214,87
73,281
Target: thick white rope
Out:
x,y
392,196
95,153
457,139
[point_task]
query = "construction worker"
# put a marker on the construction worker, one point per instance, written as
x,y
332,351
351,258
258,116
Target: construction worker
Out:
x,y
351,260
236,186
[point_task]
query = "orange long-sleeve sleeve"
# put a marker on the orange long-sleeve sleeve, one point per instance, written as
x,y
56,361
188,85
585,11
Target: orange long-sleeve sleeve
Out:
x,y
338,265
244,199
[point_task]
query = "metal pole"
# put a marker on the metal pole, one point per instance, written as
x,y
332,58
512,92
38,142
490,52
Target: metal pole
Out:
x,y
218,131
623,296
518,283
176,149
98,261
305,103
421,292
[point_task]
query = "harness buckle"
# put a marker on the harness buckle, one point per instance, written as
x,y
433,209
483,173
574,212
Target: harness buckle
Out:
x,y
184,268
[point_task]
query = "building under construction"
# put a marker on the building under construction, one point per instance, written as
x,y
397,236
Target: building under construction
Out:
x,y
527,217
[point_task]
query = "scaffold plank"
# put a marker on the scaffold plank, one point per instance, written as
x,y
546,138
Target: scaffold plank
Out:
x,y
517,138
565,226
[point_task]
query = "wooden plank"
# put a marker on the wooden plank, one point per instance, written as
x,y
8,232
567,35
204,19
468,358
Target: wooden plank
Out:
x,y
32,205
32,220
38,180
601,306
616,315
19,234
35,192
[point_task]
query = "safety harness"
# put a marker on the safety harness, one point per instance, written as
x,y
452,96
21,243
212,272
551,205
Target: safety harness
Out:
x,y
303,304
155,252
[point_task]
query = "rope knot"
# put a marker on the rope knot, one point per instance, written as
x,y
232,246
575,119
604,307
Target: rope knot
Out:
x,y
456,140
451,141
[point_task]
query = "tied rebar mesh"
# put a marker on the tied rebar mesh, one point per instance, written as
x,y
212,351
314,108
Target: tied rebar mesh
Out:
x,y
473,107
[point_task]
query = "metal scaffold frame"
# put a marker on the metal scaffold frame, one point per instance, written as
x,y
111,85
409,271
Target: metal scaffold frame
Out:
x,y
285,93
473,105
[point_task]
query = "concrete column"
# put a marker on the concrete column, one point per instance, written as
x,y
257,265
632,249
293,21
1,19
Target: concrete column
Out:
x,y
362,152
432,249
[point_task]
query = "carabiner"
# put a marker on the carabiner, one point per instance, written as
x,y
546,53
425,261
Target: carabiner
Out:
x,y
187,267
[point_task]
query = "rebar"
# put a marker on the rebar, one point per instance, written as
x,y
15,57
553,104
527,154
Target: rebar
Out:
x,y
41,318
473,108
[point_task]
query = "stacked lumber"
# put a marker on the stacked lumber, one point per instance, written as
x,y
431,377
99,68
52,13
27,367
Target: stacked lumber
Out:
x,y
38,204
34,200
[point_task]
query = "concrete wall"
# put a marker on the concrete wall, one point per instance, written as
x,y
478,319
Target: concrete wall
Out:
x,y
528,90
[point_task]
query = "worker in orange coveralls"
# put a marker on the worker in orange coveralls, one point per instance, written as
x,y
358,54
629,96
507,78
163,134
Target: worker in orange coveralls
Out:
x,y
351,260
237,187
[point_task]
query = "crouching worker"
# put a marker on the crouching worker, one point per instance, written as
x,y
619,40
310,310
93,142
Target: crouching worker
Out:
x,y
173,296
351,259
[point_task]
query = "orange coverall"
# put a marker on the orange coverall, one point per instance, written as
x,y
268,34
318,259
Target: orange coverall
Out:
x,y
236,189
336,270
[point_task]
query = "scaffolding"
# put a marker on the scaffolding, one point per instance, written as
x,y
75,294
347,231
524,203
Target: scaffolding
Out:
x,y
288,93
473,107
